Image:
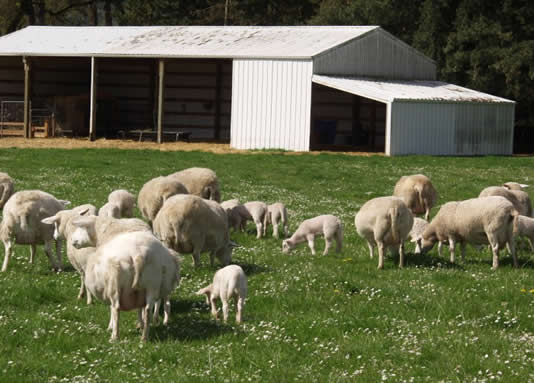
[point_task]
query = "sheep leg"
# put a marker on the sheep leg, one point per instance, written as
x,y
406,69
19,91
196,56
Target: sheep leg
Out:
x,y
371,250
140,318
511,249
8,245
239,309
440,245
167,311
224,301
81,293
401,255
327,245
311,244
48,252
380,255
155,315
275,230
213,307
58,255
196,258
259,227
265,224
495,251
339,241
115,321
452,245
146,323
33,251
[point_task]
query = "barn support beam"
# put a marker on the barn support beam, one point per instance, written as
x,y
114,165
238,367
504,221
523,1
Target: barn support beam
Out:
x,y
218,89
93,99
161,88
27,96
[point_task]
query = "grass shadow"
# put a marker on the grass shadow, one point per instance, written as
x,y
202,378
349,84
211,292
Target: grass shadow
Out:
x,y
428,261
251,268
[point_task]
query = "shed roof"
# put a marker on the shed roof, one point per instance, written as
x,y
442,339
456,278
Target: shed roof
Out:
x,y
416,90
179,41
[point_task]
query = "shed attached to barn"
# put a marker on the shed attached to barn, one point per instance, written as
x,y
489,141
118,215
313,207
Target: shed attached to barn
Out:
x,y
293,88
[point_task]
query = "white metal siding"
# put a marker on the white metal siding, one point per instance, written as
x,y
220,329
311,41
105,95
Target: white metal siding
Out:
x,y
271,102
451,128
377,54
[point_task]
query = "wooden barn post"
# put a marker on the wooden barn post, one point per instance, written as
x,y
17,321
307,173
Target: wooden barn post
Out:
x,y
93,99
161,88
27,96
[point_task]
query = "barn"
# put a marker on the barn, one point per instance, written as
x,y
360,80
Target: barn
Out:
x,y
352,88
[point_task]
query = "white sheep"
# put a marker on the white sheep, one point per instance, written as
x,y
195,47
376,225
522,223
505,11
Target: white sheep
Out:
x,y
110,209
124,200
524,227
21,224
201,182
475,221
257,211
417,192
384,222
238,214
518,198
155,192
131,271
328,226
190,224
228,282
416,233
276,214
7,186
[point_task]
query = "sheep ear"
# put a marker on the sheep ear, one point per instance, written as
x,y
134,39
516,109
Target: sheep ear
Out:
x,y
83,212
523,186
83,221
64,202
50,220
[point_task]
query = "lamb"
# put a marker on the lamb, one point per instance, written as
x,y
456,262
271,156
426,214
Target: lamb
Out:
x,y
201,182
257,211
22,224
238,214
228,282
518,198
133,270
155,192
525,228
417,192
416,233
124,200
477,221
329,226
384,222
110,209
276,214
7,186
190,224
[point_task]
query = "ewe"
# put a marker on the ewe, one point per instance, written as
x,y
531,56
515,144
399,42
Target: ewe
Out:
x,y
155,192
201,182
417,192
124,200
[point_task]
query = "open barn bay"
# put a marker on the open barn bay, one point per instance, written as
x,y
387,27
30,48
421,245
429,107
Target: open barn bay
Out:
x,y
307,318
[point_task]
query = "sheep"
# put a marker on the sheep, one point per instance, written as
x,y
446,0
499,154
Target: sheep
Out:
x,y
201,182
133,270
155,192
329,226
110,209
518,198
384,222
22,224
228,282
525,228
6,188
416,233
125,201
238,214
63,228
257,211
477,221
417,192
190,224
276,214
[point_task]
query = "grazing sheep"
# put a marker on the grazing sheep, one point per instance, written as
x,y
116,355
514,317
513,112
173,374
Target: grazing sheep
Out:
x,y
417,192
228,282
133,270
329,226
6,188
257,211
110,209
125,201
416,233
190,224
238,214
21,224
476,221
155,192
201,182
63,229
276,214
524,227
384,222
518,198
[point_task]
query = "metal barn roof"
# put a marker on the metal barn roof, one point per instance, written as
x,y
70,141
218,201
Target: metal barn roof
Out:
x,y
390,91
179,41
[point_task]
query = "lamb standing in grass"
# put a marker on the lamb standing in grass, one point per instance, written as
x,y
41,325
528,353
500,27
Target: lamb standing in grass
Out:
x,y
228,282
190,224
7,186
238,214
417,192
155,192
124,200
110,209
525,228
476,221
257,211
384,222
518,198
276,214
201,182
329,226
21,224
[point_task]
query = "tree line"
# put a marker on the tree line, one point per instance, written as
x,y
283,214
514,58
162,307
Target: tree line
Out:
x,y
487,46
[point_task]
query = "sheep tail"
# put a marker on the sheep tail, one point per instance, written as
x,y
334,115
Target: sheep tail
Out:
x,y
419,190
514,215
394,213
138,264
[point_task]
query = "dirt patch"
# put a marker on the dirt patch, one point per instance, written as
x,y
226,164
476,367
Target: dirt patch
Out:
x,y
79,143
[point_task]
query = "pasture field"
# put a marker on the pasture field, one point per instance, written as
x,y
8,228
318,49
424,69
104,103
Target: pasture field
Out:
x,y
307,318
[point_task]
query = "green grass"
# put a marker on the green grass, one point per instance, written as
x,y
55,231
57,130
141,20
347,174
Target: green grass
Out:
x,y
327,319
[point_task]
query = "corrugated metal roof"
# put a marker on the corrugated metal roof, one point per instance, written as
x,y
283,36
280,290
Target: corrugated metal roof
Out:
x,y
179,41
390,91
